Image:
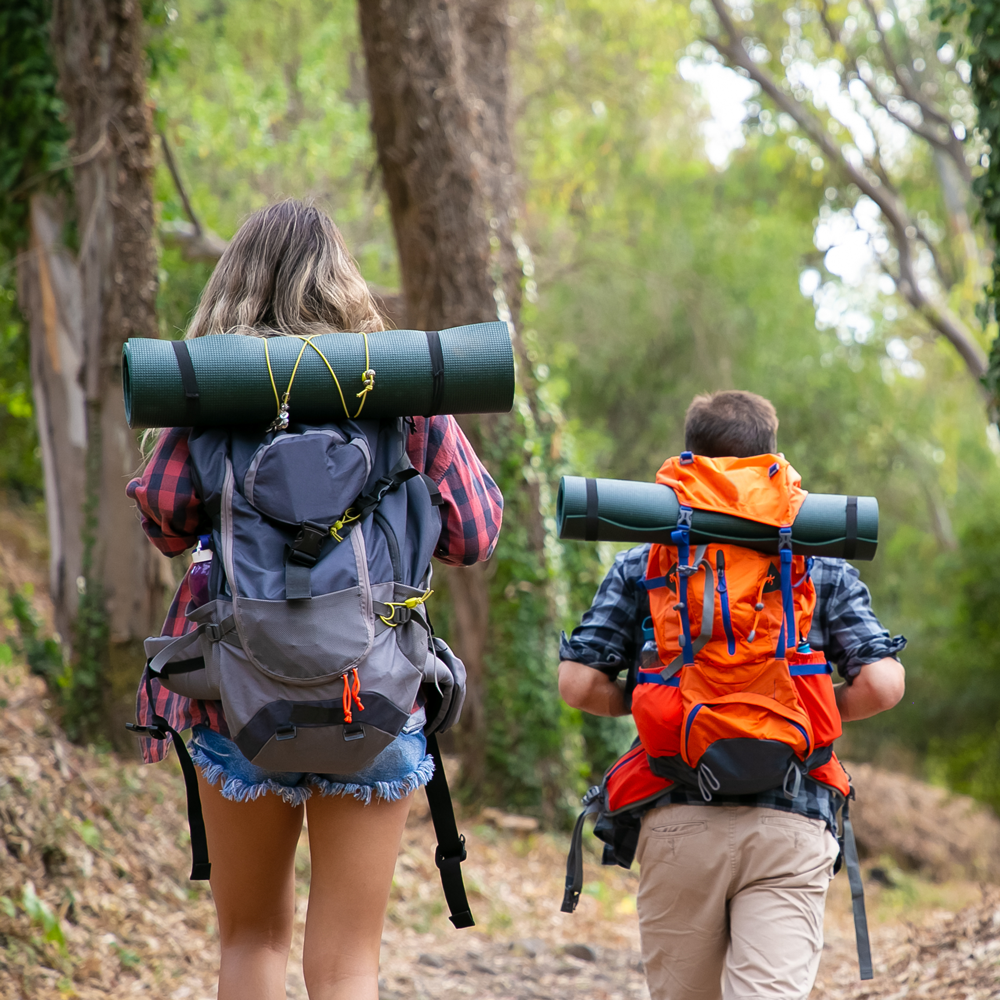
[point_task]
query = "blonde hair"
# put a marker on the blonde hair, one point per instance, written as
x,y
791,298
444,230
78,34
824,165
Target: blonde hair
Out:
x,y
286,271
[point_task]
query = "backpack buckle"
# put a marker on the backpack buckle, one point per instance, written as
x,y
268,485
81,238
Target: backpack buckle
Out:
x,y
308,543
684,517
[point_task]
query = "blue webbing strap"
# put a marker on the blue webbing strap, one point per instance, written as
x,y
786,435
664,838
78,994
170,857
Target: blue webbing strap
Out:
x,y
788,608
723,590
682,539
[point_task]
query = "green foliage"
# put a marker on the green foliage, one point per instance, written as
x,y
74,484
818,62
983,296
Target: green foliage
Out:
x,y
20,466
269,101
32,134
40,914
84,701
43,655
978,38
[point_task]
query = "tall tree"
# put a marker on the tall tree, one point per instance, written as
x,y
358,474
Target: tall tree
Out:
x,y
438,81
108,585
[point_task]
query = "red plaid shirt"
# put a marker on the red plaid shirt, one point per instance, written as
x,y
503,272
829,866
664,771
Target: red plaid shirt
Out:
x,y
173,517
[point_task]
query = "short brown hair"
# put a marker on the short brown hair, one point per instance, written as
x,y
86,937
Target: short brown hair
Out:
x,y
731,423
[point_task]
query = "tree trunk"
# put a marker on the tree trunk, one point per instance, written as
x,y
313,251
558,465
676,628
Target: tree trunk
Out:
x,y
437,74
98,46
50,297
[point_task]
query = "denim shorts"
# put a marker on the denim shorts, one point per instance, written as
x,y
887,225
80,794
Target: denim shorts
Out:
x,y
401,768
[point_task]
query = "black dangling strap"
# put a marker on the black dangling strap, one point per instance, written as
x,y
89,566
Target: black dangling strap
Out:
x,y
437,372
851,532
574,860
192,398
450,852
201,867
849,849
592,521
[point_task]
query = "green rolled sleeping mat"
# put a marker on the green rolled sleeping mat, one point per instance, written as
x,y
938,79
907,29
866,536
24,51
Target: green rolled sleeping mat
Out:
x,y
625,511
223,380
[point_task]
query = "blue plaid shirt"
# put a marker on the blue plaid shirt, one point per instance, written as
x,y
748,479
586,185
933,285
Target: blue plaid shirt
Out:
x,y
609,638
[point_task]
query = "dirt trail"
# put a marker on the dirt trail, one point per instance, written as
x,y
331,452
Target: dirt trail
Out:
x,y
94,900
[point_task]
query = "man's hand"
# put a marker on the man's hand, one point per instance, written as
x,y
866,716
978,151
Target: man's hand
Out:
x,y
878,687
591,690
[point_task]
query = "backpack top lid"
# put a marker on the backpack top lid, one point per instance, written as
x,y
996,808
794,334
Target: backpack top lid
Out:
x,y
762,488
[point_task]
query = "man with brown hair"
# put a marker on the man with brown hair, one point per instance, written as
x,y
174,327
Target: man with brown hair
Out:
x,y
732,890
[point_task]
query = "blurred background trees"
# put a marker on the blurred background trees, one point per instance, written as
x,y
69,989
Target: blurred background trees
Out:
x,y
776,199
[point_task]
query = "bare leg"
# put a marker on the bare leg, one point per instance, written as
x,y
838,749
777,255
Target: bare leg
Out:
x,y
353,849
252,847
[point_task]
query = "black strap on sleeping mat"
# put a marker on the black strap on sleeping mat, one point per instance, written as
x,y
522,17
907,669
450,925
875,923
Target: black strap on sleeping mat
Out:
x,y
201,867
192,398
450,851
591,521
437,372
851,532
849,849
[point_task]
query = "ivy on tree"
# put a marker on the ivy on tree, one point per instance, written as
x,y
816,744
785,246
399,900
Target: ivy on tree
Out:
x,y
981,46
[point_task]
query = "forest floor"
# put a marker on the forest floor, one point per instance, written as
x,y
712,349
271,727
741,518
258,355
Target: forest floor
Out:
x,y
95,901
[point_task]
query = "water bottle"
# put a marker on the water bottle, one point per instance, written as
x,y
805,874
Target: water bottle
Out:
x,y
201,569
649,655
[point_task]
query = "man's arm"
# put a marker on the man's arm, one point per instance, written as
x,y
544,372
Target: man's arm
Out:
x,y
591,690
876,688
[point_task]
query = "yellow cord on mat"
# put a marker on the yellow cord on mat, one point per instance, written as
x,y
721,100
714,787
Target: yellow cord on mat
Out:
x,y
367,380
410,602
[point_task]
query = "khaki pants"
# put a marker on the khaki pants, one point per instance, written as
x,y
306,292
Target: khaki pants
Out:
x,y
731,901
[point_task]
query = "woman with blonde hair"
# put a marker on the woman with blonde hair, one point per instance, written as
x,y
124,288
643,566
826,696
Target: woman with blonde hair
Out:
x,y
288,272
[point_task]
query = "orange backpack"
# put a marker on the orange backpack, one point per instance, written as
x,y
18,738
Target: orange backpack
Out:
x,y
737,702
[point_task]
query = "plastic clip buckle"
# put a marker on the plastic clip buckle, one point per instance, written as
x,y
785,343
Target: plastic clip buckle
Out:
x,y
308,543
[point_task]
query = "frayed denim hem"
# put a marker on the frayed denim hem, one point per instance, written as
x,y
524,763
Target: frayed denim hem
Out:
x,y
236,789
389,791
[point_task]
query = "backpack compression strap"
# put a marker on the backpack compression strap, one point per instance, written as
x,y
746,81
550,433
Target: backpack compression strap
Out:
x,y
312,536
201,867
450,852
849,849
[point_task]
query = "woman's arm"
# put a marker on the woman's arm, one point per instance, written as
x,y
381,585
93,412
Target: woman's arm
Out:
x,y
473,506
172,515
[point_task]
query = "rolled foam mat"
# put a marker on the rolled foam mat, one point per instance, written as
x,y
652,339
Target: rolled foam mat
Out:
x,y
227,382
647,512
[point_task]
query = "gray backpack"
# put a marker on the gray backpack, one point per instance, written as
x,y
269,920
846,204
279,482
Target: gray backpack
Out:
x,y
315,636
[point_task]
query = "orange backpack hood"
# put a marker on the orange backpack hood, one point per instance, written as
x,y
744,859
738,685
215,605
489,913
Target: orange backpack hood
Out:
x,y
762,488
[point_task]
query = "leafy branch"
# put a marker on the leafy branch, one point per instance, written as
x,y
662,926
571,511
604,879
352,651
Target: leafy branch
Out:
x,y
869,175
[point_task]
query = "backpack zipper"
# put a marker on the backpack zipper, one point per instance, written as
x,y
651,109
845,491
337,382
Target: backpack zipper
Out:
x,y
391,544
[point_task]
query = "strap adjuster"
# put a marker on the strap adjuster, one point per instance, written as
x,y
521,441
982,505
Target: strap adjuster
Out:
x,y
684,517
308,543
153,732
784,539
451,861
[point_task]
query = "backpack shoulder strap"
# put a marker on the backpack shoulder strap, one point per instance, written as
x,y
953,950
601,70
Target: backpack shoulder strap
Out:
x,y
450,852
